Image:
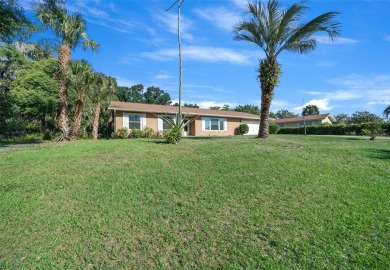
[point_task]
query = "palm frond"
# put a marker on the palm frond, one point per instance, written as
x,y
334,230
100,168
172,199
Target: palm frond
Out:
x,y
386,112
302,46
275,29
323,23
70,28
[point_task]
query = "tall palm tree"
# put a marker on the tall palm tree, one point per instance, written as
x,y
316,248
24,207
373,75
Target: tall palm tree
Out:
x,y
71,31
386,112
80,75
276,30
100,94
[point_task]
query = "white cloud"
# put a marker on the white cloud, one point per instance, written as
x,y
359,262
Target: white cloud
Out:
x,y
202,54
205,104
387,38
240,3
220,16
208,87
325,63
339,40
322,104
337,95
163,77
208,104
379,102
169,20
96,12
369,90
124,82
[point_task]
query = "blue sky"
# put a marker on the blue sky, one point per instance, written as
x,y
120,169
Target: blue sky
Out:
x,y
138,42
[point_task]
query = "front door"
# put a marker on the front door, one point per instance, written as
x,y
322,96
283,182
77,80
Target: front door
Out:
x,y
186,130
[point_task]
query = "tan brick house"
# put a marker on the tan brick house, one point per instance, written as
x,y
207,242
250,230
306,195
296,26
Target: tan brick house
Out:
x,y
204,122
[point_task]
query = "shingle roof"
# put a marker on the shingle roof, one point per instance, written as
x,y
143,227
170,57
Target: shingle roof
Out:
x,y
307,118
153,108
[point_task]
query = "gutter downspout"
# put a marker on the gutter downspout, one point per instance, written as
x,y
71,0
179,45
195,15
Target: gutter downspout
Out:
x,y
114,111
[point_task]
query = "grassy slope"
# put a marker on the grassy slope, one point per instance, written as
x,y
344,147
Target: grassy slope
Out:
x,y
288,202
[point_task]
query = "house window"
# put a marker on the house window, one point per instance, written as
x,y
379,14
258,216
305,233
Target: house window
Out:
x,y
134,121
214,124
162,125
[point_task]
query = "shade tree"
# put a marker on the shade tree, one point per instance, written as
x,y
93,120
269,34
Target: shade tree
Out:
x,y
35,94
284,113
310,110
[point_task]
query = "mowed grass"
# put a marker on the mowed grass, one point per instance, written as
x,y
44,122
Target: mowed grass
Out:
x,y
290,202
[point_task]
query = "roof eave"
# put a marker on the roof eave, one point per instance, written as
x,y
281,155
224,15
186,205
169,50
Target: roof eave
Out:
x,y
189,114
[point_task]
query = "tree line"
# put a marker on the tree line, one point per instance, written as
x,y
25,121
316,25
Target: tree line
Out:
x,y
61,96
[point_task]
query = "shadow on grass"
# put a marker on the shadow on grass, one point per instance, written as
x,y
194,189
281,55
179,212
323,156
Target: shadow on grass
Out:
x,y
201,138
379,153
354,138
205,138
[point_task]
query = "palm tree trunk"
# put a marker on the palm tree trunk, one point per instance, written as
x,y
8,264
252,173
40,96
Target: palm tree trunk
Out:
x,y
63,117
75,130
95,124
269,75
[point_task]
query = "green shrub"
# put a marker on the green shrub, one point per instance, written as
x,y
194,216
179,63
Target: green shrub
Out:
x,y
374,129
173,136
243,129
386,128
273,128
158,134
365,132
341,129
148,132
28,138
122,133
136,133
47,136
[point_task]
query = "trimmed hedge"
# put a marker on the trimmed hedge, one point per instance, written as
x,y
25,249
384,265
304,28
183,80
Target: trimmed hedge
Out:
x,y
342,129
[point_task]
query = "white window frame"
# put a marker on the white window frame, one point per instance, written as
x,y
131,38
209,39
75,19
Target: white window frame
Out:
x,y
126,119
204,119
160,122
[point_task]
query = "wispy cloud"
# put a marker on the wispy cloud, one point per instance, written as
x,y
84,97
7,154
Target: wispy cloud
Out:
x,y
339,40
96,12
337,95
219,16
169,21
387,38
208,104
278,104
369,90
202,54
240,3
124,82
205,104
162,77
325,63
207,87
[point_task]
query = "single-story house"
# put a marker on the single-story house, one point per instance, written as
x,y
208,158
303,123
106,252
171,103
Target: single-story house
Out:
x,y
311,120
204,122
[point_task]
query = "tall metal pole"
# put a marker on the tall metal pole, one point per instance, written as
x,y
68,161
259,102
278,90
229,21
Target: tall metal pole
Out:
x,y
304,122
180,61
179,2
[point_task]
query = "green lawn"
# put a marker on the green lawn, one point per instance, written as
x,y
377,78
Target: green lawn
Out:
x,y
290,202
